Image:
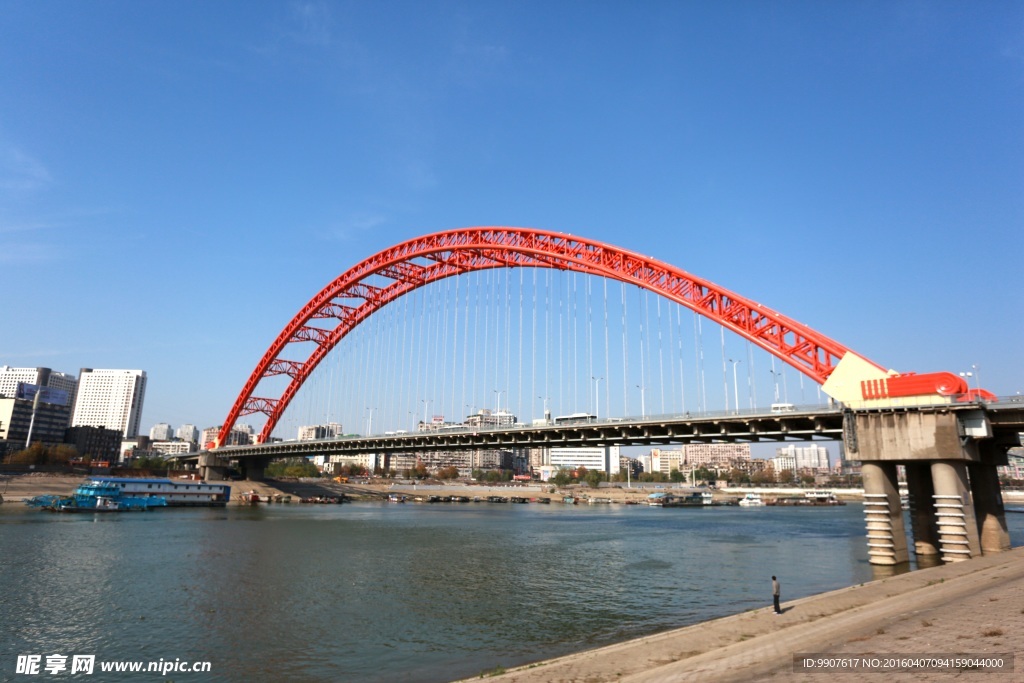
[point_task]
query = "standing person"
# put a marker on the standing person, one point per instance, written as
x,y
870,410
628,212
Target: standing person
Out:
x,y
775,594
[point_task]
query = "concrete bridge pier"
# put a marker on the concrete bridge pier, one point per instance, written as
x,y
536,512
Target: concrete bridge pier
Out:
x,y
954,511
988,508
922,510
212,468
883,516
950,458
254,469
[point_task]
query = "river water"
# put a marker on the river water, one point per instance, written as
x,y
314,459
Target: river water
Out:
x,y
385,592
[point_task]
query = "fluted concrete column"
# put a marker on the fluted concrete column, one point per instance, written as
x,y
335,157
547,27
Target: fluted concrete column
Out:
x,y
883,517
988,508
922,509
954,511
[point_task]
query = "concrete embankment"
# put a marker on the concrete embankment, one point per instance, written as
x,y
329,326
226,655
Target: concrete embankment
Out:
x,y
972,607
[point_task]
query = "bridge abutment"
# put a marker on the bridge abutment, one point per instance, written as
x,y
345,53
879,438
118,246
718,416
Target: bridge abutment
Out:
x,y
950,460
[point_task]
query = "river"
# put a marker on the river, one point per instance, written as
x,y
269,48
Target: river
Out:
x,y
385,592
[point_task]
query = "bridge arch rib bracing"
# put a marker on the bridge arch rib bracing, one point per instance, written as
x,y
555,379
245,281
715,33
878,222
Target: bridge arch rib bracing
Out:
x,y
350,299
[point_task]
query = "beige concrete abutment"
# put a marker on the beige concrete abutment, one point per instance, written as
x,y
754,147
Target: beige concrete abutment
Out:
x,y
956,509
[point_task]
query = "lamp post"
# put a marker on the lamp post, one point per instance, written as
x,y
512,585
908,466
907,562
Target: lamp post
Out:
x,y
775,376
643,410
426,407
547,415
497,394
735,387
597,404
369,423
967,377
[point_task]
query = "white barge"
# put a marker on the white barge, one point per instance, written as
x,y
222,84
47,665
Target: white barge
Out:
x,y
177,493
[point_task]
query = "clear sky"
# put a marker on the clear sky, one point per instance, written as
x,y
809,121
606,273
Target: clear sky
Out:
x,y
178,178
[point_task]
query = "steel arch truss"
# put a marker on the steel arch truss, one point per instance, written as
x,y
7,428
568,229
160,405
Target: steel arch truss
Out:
x,y
351,298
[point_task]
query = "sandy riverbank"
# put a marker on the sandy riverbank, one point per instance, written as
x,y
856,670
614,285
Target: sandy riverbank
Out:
x,y
970,607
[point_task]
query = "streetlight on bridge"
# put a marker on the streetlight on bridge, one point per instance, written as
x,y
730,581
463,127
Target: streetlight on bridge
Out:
x,y
643,410
597,402
735,387
775,376
498,393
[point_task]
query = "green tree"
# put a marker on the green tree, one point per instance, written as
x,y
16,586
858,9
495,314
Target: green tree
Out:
x,y
763,477
738,476
292,467
448,473
594,478
561,478
676,476
704,474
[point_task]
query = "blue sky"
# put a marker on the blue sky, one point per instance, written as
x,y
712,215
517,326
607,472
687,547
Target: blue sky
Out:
x,y
178,178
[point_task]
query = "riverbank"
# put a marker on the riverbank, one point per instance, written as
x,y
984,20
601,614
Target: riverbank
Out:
x,y
974,607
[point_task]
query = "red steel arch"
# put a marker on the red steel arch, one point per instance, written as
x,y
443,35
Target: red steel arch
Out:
x,y
351,298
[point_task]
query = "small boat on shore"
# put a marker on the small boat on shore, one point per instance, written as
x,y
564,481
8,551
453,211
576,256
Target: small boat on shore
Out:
x,y
751,500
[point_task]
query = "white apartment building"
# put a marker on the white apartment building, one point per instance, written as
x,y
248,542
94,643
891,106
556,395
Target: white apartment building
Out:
x,y
161,432
781,463
313,432
10,378
168,448
187,432
811,457
605,459
111,399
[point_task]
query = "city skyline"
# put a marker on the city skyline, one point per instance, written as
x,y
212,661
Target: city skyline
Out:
x,y
857,170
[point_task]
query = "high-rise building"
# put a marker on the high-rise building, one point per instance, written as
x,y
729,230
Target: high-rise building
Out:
x,y
43,377
19,418
161,432
187,433
241,435
10,378
326,431
811,457
603,458
111,399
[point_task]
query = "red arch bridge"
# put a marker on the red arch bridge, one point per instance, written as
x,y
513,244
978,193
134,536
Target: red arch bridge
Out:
x,y
949,436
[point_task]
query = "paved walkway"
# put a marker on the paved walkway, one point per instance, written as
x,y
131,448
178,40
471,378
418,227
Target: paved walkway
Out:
x,y
968,607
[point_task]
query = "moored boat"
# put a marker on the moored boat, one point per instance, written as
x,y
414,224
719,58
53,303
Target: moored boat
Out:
x,y
751,500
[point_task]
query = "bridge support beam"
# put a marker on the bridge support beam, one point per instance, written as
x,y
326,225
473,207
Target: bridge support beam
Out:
x,y
212,468
922,510
883,516
954,511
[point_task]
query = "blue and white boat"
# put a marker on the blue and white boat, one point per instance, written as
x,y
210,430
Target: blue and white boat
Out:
x,y
121,494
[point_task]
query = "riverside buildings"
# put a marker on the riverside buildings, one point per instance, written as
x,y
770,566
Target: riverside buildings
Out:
x,y
10,378
720,457
111,399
